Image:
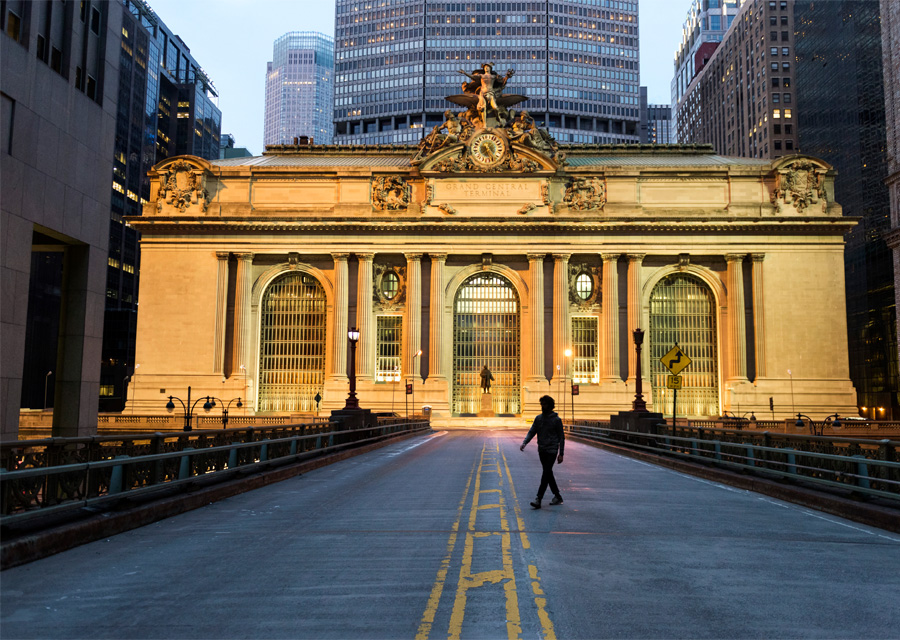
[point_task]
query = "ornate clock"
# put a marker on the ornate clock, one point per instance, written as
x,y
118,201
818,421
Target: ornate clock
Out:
x,y
487,149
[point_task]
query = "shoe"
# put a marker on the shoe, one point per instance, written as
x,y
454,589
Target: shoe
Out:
x,y
557,500
536,503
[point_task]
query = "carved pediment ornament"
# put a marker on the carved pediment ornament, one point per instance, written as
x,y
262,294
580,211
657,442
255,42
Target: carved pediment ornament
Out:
x,y
182,185
583,194
391,193
800,183
387,295
595,273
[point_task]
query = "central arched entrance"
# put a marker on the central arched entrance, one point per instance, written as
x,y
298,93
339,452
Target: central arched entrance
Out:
x,y
486,331
292,344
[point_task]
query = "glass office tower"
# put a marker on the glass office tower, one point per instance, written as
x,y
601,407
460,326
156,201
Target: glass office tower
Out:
x,y
300,89
576,61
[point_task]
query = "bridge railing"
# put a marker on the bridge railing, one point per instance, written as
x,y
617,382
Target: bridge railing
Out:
x,y
42,478
866,466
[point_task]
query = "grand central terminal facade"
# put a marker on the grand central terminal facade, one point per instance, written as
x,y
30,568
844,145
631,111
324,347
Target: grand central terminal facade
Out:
x,y
491,245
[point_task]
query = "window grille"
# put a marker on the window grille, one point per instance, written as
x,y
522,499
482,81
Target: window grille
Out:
x,y
584,342
683,310
486,331
292,344
389,331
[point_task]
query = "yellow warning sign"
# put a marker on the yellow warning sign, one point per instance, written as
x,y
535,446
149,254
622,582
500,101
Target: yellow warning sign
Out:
x,y
675,361
673,382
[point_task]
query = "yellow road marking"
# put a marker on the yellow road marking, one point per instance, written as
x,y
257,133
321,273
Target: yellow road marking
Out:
x,y
491,461
438,589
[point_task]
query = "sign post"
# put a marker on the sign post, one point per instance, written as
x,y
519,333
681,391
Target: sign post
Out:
x,y
675,361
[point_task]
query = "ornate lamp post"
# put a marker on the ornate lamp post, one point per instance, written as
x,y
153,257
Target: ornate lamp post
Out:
x,y
416,355
226,408
818,430
188,407
638,404
352,401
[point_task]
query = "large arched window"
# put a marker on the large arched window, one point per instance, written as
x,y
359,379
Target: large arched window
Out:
x,y
292,344
683,310
486,331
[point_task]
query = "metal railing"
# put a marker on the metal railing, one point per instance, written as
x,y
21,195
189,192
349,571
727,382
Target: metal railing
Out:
x,y
865,466
52,476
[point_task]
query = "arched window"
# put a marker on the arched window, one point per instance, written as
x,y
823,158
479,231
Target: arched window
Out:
x,y
683,310
292,344
486,331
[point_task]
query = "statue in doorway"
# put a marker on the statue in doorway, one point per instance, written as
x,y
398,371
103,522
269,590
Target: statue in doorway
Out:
x,y
486,377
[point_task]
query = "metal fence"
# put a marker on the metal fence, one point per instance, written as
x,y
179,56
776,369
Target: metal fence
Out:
x,y
866,466
41,478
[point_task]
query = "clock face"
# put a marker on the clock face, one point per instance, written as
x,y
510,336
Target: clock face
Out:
x,y
487,149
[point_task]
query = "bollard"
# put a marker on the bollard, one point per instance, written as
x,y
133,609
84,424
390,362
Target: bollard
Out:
x,y
184,469
294,446
117,477
862,471
718,447
791,461
751,459
233,458
264,452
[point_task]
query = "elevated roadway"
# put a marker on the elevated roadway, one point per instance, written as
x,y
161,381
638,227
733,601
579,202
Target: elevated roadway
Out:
x,y
432,537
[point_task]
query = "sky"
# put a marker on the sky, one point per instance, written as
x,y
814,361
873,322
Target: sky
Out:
x,y
232,40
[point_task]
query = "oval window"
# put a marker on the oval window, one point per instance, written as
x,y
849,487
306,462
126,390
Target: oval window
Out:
x,y
389,285
584,286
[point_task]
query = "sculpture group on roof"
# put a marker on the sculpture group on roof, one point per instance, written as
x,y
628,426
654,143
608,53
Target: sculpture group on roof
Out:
x,y
487,107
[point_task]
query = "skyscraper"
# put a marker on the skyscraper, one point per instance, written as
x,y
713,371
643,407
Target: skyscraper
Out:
x,y
576,61
171,112
890,51
742,100
840,102
703,30
656,122
300,89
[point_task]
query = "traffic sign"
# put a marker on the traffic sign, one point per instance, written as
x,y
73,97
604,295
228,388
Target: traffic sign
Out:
x,y
673,382
675,361
574,389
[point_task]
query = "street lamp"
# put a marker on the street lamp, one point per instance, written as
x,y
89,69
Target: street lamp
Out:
x,y
352,401
188,407
818,430
226,408
639,404
415,355
46,380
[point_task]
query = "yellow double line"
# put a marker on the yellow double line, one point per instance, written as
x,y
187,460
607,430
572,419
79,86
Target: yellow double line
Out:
x,y
487,499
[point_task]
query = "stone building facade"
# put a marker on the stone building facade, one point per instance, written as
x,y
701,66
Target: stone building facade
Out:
x,y
485,247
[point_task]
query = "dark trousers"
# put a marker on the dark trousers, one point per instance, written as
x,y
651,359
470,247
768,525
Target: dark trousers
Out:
x,y
548,458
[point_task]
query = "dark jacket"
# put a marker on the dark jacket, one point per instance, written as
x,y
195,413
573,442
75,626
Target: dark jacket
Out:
x,y
549,430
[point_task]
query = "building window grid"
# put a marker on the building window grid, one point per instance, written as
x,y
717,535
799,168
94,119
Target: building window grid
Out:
x,y
389,335
585,351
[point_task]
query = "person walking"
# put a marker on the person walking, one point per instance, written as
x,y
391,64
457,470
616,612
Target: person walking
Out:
x,y
551,441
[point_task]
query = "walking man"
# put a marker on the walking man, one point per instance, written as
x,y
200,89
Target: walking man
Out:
x,y
551,442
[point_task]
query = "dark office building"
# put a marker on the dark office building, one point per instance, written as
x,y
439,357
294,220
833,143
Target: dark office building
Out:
x,y
165,109
840,92
576,61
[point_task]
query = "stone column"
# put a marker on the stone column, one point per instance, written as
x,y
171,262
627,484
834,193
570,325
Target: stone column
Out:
x,y
221,311
737,328
759,315
610,370
436,366
365,321
241,334
536,271
341,297
413,332
634,308
561,329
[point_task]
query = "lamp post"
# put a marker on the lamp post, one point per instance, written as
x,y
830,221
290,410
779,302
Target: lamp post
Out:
x,y
188,407
415,355
819,430
638,405
125,382
244,370
568,354
46,380
352,401
226,408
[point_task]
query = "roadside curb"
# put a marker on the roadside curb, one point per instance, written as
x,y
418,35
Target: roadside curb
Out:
x,y
869,514
34,546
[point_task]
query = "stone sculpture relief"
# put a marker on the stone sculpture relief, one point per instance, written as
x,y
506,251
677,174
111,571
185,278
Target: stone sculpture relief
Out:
x,y
182,185
801,184
390,193
585,193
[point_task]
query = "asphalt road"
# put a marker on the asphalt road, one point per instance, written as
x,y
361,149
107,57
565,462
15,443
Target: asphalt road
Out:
x,y
433,537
